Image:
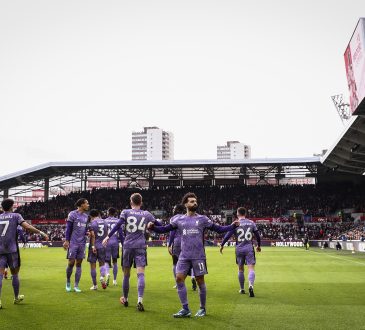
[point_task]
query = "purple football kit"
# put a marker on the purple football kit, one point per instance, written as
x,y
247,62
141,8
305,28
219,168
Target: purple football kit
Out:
x,y
134,246
9,251
77,223
191,229
112,248
192,255
100,229
135,223
245,253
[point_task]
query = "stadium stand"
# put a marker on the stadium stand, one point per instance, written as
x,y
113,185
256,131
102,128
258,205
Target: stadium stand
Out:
x,y
261,201
320,210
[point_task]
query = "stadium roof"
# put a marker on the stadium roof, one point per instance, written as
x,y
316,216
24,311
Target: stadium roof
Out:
x,y
164,169
348,153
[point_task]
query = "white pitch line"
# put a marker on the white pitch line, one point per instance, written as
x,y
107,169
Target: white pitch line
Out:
x,y
356,262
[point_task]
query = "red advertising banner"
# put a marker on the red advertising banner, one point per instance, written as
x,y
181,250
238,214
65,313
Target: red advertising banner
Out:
x,y
48,222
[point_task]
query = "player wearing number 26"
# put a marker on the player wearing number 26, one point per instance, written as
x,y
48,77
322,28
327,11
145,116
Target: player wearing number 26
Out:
x,y
245,253
191,227
135,222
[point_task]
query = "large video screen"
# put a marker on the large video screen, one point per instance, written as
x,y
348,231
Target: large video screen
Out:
x,y
355,68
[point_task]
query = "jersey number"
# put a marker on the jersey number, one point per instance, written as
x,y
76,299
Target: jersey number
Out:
x,y
101,230
6,223
110,227
244,236
132,225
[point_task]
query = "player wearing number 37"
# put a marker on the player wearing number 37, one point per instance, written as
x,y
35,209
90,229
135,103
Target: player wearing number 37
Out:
x,y
245,253
191,227
135,222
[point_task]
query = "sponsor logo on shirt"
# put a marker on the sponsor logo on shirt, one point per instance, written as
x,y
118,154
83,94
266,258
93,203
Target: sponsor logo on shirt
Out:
x,y
191,231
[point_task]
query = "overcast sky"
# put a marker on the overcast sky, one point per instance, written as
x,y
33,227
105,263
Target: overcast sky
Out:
x,y
77,77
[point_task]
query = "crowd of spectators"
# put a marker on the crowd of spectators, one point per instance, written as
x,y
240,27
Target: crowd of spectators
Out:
x,y
260,201
326,200
290,231
55,232
354,233
270,231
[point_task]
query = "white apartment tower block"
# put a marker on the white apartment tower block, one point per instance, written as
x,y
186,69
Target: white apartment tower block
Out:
x,y
234,150
152,143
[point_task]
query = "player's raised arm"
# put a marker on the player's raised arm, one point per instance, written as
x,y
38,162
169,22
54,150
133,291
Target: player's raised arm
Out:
x,y
160,229
225,239
220,229
151,218
115,229
32,229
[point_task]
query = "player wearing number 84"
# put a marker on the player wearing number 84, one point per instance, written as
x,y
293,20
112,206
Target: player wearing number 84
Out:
x,y
135,222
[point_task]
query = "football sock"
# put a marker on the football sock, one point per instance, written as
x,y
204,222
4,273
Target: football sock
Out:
x,y
93,275
106,267
69,273
16,284
183,296
241,279
202,295
125,286
102,271
174,271
251,277
141,285
77,276
115,271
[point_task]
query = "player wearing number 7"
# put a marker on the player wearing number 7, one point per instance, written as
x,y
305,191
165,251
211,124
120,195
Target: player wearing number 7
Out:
x,y
9,250
245,253
191,227
135,222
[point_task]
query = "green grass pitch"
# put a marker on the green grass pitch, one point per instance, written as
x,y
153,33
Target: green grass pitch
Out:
x,y
295,289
